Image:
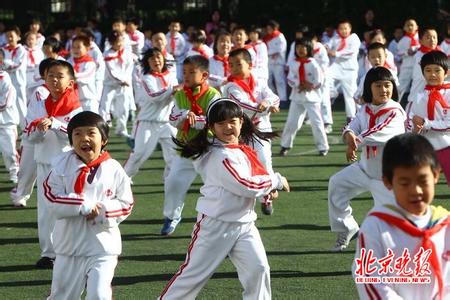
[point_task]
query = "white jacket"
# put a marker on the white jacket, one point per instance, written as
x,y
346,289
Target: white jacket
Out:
x,y
85,78
276,50
217,74
16,65
402,51
117,71
180,45
9,116
33,66
346,58
313,75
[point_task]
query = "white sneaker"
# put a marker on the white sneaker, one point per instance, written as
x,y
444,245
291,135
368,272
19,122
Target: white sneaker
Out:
x,y
328,128
20,203
343,239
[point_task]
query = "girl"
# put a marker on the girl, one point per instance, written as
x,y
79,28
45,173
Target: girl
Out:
x,y
34,58
117,85
52,47
380,119
305,77
155,102
233,178
218,64
36,28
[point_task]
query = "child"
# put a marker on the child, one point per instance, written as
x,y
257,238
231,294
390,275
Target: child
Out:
x,y
305,77
276,49
300,32
117,90
407,47
428,42
89,194
428,115
36,28
15,63
377,36
152,123
52,47
198,39
219,69
47,128
159,41
97,55
176,46
85,68
445,45
239,39
257,100
233,179
393,46
375,123
188,116
261,67
137,38
118,25
9,119
411,223
344,69
34,58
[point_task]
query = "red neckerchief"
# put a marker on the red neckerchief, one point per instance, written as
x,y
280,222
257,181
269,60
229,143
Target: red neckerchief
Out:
x,y
31,56
372,122
343,42
254,44
249,87
301,68
224,60
317,50
164,52
79,60
13,49
84,171
172,42
268,37
64,53
257,168
68,102
161,77
435,96
412,37
195,108
447,41
425,49
388,66
133,36
201,51
425,234
118,56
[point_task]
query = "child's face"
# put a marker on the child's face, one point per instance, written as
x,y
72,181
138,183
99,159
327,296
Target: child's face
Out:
x,y
79,49
228,131
269,29
174,27
377,57
224,45
253,36
298,35
87,143
410,26
344,29
429,39
31,40
12,37
156,62
193,76
398,33
239,38
58,80
381,91
119,26
434,74
118,44
239,67
413,187
301,51
131,27
48,51
159,41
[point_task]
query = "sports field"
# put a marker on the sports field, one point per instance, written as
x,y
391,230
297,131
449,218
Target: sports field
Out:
x,y
297,236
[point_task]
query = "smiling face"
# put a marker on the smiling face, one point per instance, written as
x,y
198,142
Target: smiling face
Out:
x,y
381,91
228,131
87,143
223,45
413,187
344,29
301,51
434,74
156,62
239,38
12,37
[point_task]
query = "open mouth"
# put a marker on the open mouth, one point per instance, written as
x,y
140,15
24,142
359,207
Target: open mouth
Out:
x,y
86,148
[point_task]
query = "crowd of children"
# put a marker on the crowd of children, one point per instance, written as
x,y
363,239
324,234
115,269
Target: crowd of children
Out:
x,y
213,104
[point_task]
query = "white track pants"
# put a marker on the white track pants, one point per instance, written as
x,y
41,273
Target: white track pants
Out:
x,y
27,173
116,100
46,220
8,138
277,81
347,81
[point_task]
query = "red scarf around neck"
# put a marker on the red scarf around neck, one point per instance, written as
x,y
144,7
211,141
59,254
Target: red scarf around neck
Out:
x,y
68,102
133,36
435,96
224,60
84,171
31,56
257,168
343,42
161,77
248,87
13,49
80,60
425,49
200,50
193,99
268,37
301,68
373,117
118,56
172,43
412,37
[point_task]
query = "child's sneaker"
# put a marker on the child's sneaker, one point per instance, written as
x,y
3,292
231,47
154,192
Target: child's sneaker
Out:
x,y
328,128
130,142
45,263
284,151
169,226
19,202
267,208
323,153
343,239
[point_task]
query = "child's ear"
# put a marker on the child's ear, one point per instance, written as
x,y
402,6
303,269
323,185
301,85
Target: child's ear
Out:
x,y
205,75
436,174
104,142
387,183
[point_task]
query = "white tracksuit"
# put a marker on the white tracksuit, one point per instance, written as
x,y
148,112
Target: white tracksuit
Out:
x,y
86,80
321,56
217,74
344,70
261,93
379,236
15,63
364,175
225,226
176,45
47,145
406,68
137,41
9,119
445,46
305,102
261,67
34,58
276,50
97,55
86,251
152,123
418,81
205,51
117,97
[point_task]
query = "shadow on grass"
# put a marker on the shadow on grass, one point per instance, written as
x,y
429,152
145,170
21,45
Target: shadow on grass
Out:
x,y
14,241
161,257
25,283
149,236
10,207
190,191
291,274
156,221
296,227
18,268
19,225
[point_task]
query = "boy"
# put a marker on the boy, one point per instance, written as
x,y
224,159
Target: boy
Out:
x,y
47,128
344,69
393,45
159,41
137,38
188,116
85,68
9,119
97,55
257,100
198,39
276,49
119,25
428,114
239,39
89,194
15,63
34,58
411,225
407,47
176,46
261,68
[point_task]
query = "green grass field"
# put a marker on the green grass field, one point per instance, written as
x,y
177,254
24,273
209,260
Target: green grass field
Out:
x,y
297,237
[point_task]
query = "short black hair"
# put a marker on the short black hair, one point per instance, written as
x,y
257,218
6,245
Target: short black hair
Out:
x,y
435,58
14,28
375,46
198,37
376,32
43,66
407,150
113,36
219,34
377,74
304,29
118,20
83,39
274,24
198,62
88,118
241,51
134,20
425,29
62,63
54,43
88,32
307,43
146,55
239,27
